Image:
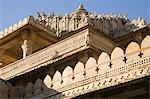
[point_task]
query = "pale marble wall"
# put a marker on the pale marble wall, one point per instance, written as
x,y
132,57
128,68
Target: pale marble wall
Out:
x,y
51,86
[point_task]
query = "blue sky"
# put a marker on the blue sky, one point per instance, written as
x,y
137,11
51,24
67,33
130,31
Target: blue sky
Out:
x,y
12,11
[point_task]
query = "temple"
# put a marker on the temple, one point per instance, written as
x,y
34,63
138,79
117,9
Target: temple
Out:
x,y
76,55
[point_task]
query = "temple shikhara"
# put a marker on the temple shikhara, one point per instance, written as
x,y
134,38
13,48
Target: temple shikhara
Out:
x,y
76,55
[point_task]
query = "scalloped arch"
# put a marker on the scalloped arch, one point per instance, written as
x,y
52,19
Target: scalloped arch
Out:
x,y
145,46
37,86
78,71
67,76
90,67
103,62
56,80
132,51
29,89
132,47
117,57
17,92
47,81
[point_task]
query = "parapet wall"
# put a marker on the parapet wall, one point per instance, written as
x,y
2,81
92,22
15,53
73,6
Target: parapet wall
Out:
x,y
58,25
121,66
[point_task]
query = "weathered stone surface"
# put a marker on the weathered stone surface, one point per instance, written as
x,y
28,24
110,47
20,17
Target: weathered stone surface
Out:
x,y
47,81
67,76
17,92
117,57
29,89
90,34
37,88
103,61
132,51
78,72
145,46
3,90
57,78
90,67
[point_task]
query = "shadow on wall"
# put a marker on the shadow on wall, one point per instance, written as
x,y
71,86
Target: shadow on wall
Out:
x,y
38,90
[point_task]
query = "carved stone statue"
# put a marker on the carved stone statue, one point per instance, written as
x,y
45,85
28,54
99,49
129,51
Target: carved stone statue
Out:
x,y
26,48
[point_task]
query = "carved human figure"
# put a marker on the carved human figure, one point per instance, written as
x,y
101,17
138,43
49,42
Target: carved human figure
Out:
x,y
26,48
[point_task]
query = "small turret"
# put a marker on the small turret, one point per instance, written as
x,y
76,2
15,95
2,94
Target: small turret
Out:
x,y
81,9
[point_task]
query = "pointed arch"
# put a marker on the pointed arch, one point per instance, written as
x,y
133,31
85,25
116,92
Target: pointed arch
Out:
x,y
132,51
67,76
117,57
47,81
57,80
103,62
90,67
78,72
145,46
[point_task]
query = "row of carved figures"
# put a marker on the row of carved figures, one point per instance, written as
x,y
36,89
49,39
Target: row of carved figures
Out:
x,y
105,23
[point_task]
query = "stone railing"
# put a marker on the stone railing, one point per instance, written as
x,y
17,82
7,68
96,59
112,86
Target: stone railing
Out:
x,y
46,56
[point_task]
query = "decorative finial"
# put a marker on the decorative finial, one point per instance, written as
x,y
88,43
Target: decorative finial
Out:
x,y
126,16
39,16
139,19
81,6
60,15
52,14
44,14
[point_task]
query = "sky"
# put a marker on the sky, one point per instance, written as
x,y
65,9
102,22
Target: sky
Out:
x,y
11,11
